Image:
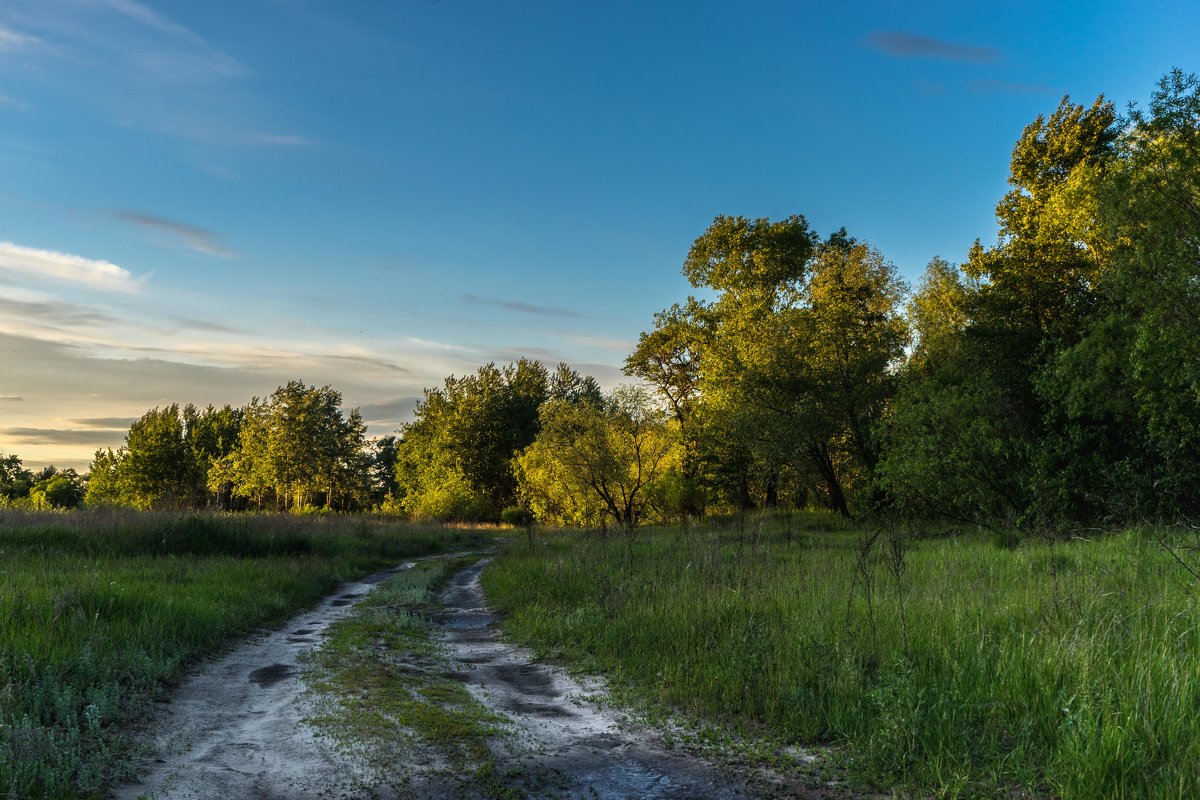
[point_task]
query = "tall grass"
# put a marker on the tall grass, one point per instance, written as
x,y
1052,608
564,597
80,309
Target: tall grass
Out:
x,y
100,612
949,664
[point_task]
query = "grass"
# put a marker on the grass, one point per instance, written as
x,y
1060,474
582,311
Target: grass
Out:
x,y
384,693
955,664
102,612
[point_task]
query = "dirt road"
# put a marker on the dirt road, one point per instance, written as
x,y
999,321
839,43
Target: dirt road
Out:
x,y
236,730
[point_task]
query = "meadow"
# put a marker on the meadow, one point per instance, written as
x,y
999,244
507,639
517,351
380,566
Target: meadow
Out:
x,y
103,612
956,663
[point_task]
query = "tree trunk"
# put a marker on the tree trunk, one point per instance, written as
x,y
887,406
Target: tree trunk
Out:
x,y
837,498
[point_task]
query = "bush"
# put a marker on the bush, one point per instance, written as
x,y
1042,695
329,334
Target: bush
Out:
x,y
517,517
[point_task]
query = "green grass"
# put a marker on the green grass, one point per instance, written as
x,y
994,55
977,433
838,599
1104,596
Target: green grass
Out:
x,y
101,612
383,691
966,668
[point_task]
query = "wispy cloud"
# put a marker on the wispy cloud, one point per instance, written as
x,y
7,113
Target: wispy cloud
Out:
x,y
911,45
60,436
276,140
11,398
193,237
111,423
12,102
524,308
429,344
12,40
52,314
1009,87
197,58
65,267
600,342
191,323
391,411
123,34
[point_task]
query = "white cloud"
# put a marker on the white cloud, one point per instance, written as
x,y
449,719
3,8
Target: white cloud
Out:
x,y
65,267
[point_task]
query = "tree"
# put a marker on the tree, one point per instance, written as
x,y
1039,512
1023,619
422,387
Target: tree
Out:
x,y
381,456
55,488
297,448
1128,392
591,461
455,459
156,468
798,352
15,480
939,313
103,488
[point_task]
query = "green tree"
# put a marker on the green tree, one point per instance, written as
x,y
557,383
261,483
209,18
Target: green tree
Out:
x,y
455,459
592,461
797,353
103,486
156,468
15,480
211,434
297,449
1127,394
55,488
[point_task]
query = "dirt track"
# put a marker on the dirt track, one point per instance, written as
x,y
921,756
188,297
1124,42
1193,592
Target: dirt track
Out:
x,y
236,729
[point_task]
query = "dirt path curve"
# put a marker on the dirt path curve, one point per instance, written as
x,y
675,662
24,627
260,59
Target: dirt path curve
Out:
x,y
234,730
578,747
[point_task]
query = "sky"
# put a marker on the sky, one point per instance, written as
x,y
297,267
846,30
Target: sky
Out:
x,y
202,201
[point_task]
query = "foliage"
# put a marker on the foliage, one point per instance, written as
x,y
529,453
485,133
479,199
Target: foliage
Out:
x,y
592,461
1056,384
454,461
779,381
297,448
516,516
15,480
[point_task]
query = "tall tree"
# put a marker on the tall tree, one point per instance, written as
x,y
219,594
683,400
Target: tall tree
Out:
x,y
156,468
799,349
297,448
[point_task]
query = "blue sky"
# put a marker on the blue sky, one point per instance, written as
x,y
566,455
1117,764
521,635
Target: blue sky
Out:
x,y
200,201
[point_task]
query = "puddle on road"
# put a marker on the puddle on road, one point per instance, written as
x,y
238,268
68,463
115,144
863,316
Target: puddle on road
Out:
x,y
271,674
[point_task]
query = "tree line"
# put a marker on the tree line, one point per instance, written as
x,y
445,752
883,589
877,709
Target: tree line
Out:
x,y
293,450
1049,379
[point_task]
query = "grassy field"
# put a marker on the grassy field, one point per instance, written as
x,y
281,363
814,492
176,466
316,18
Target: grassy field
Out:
x,y
102,611
962,664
